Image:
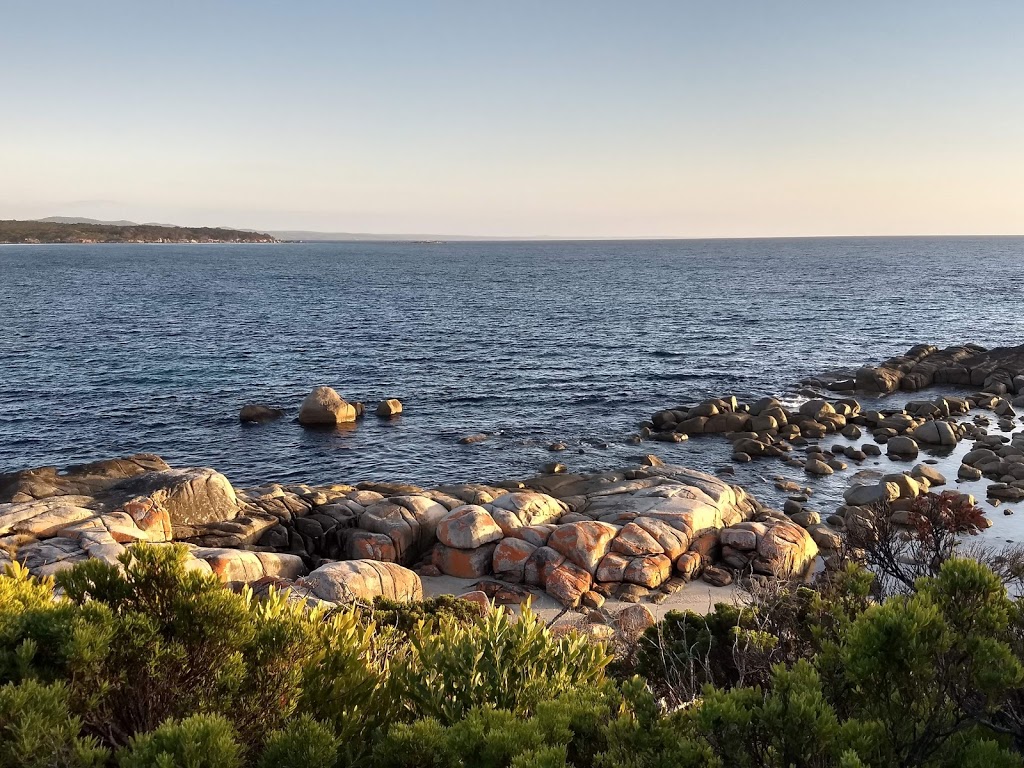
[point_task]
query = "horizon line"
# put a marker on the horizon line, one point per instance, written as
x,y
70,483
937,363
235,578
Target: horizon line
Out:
x,y
404,237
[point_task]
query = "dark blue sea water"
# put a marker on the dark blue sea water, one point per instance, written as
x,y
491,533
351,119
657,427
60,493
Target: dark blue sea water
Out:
x,y
108,350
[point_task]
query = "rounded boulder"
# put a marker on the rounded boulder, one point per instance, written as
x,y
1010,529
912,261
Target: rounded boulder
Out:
x,y
468,527
325,407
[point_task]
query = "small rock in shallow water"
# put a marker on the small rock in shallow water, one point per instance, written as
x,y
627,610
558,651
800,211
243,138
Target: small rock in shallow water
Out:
x,y
901,446
968,473
259,414
389,408
816,467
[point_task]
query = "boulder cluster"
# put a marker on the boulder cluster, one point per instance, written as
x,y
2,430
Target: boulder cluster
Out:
x,y
323,407
579,538
998,460
792,433
768,428
999,371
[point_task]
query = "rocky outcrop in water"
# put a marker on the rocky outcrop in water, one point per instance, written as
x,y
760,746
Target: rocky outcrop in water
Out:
x,y
323,407
999,371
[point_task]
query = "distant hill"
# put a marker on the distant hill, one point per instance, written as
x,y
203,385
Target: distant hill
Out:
x,y
73,220
59,229
294,235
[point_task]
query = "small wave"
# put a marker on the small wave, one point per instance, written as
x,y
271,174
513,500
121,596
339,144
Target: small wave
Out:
x,y
592,400
469,399
667,353
680,376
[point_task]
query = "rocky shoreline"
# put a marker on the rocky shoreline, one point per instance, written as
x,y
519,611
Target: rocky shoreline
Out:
x,y
640,533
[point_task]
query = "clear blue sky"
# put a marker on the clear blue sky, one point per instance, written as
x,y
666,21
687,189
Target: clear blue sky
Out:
x,y
518,118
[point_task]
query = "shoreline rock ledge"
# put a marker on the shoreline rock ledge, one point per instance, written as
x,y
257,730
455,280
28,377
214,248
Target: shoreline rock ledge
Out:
x,y
998,371
581,538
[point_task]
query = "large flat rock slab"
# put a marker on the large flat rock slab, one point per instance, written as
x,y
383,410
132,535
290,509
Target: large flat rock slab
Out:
x,y
190,496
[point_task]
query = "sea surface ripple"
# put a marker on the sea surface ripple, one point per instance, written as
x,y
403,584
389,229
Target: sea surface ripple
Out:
x,y
107,350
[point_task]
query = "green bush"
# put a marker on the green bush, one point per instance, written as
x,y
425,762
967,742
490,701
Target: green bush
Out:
x,y
686,651
640,736
791,725
302,743
175,670
925,667
166,642
564,730
348,685
38,636
404,617
500,661
200,741
740,644
154,641
38,731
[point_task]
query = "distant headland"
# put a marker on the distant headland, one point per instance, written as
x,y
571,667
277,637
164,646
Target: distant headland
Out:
x,y
68,230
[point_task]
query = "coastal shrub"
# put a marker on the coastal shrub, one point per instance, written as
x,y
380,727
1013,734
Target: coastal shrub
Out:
x,y
739,644
926,667
900,554
566,730
506,662
640,735
152,641
173,642
199,741
686,651
405,616
790,725
821,678
37,730
37,634
348,684
302,743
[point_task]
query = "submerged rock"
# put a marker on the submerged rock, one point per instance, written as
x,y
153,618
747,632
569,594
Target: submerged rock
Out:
x,y
259,414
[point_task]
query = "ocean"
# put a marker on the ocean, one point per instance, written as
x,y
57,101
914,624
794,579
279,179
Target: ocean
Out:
x,y
108,350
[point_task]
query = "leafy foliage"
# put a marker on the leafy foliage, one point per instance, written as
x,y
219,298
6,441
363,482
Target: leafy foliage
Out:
x,y
405,617
302,743
507,663
37,730
153,641
160,666
200,741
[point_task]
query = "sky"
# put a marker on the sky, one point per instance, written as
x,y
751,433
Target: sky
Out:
x,y
529,118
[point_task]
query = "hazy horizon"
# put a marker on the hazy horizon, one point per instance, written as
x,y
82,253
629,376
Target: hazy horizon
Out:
x,y
671,120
